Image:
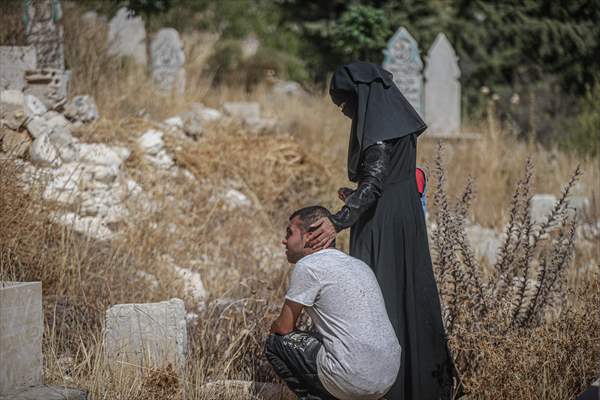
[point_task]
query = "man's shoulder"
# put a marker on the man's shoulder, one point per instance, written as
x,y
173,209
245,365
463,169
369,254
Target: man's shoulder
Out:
x,y
323,255
328,257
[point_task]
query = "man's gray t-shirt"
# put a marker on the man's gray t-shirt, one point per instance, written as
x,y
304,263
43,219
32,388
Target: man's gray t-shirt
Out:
x,y
360,357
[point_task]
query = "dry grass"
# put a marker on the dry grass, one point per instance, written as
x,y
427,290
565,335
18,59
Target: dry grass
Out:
x,y
237,251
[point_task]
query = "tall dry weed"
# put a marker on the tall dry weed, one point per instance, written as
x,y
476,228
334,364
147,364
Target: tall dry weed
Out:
x,y
496,319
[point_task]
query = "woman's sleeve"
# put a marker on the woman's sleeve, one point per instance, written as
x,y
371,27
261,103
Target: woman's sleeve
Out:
x,y
373,170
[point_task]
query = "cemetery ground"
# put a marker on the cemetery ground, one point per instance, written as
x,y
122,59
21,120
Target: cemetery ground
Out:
x,y
233,241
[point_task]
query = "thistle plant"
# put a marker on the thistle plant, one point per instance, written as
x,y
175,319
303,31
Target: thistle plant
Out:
x,y
528,278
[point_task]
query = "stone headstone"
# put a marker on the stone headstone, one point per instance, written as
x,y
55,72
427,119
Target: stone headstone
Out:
x,y
403,60
168,60
127,36
48,85
442,88
45,33
147,335
14,61
21,330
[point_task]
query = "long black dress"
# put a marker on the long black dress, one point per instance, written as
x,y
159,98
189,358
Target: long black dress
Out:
x,y
388,232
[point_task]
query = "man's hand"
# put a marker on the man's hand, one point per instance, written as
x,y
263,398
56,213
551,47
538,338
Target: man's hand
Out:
x,y
322,237
286,322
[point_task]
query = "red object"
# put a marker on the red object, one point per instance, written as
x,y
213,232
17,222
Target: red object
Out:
x,y
421,180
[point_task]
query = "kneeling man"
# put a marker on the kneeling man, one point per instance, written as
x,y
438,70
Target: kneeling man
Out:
x,y
355,353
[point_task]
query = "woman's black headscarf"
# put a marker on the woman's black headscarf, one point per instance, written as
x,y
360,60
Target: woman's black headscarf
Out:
x,y
377,108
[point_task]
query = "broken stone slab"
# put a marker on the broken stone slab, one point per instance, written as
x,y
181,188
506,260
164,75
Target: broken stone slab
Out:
x,y
16,143
161,160
21,330
174,122
206,114
192,124
102,154
242,389
14,120
47,393
192,282
50,86
151,142
82,109
91,227
261,125
146,335
10,100
287,88
242,110
14,61
542,204
43,152
33,106
51,123
485,242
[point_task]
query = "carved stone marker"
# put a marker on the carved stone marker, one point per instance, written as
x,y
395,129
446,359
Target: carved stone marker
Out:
x,y
146,335
402,59
168,60
14,61
45,33
21,330
48,85
442,88
127,36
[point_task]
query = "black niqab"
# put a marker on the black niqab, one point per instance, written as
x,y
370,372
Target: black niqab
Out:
x,y
378,109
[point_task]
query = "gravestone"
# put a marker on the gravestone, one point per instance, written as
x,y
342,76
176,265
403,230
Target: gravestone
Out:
x,y
402,59
442,88
127,36
14,61
21,330
168,60
45,33
146,335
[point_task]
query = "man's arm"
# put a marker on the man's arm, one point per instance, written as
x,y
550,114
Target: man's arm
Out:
x,y
286,322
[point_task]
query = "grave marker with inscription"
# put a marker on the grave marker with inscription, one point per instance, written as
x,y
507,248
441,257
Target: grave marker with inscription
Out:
x,y
402,59
45,33
168,60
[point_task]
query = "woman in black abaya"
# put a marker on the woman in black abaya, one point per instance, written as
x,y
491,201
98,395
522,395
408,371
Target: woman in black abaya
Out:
x,y
387,225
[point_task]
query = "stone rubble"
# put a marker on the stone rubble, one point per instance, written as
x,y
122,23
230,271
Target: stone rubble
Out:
x,y
82,109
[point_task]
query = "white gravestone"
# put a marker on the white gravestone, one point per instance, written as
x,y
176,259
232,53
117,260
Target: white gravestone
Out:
x,y
442,88
14,61
147,335
168,60
127,36
402,59
21,330
45,33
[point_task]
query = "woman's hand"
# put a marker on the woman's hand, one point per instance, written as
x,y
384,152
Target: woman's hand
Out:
x,y
344,192
322,236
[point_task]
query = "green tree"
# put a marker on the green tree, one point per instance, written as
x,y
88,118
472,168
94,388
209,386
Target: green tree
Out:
x,y
361,33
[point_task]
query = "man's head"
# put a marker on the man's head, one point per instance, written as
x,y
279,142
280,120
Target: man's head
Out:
x,y
297,230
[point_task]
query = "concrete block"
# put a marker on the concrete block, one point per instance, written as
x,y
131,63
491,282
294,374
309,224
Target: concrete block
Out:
x,y
14,61
146,335
21,330
47,393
